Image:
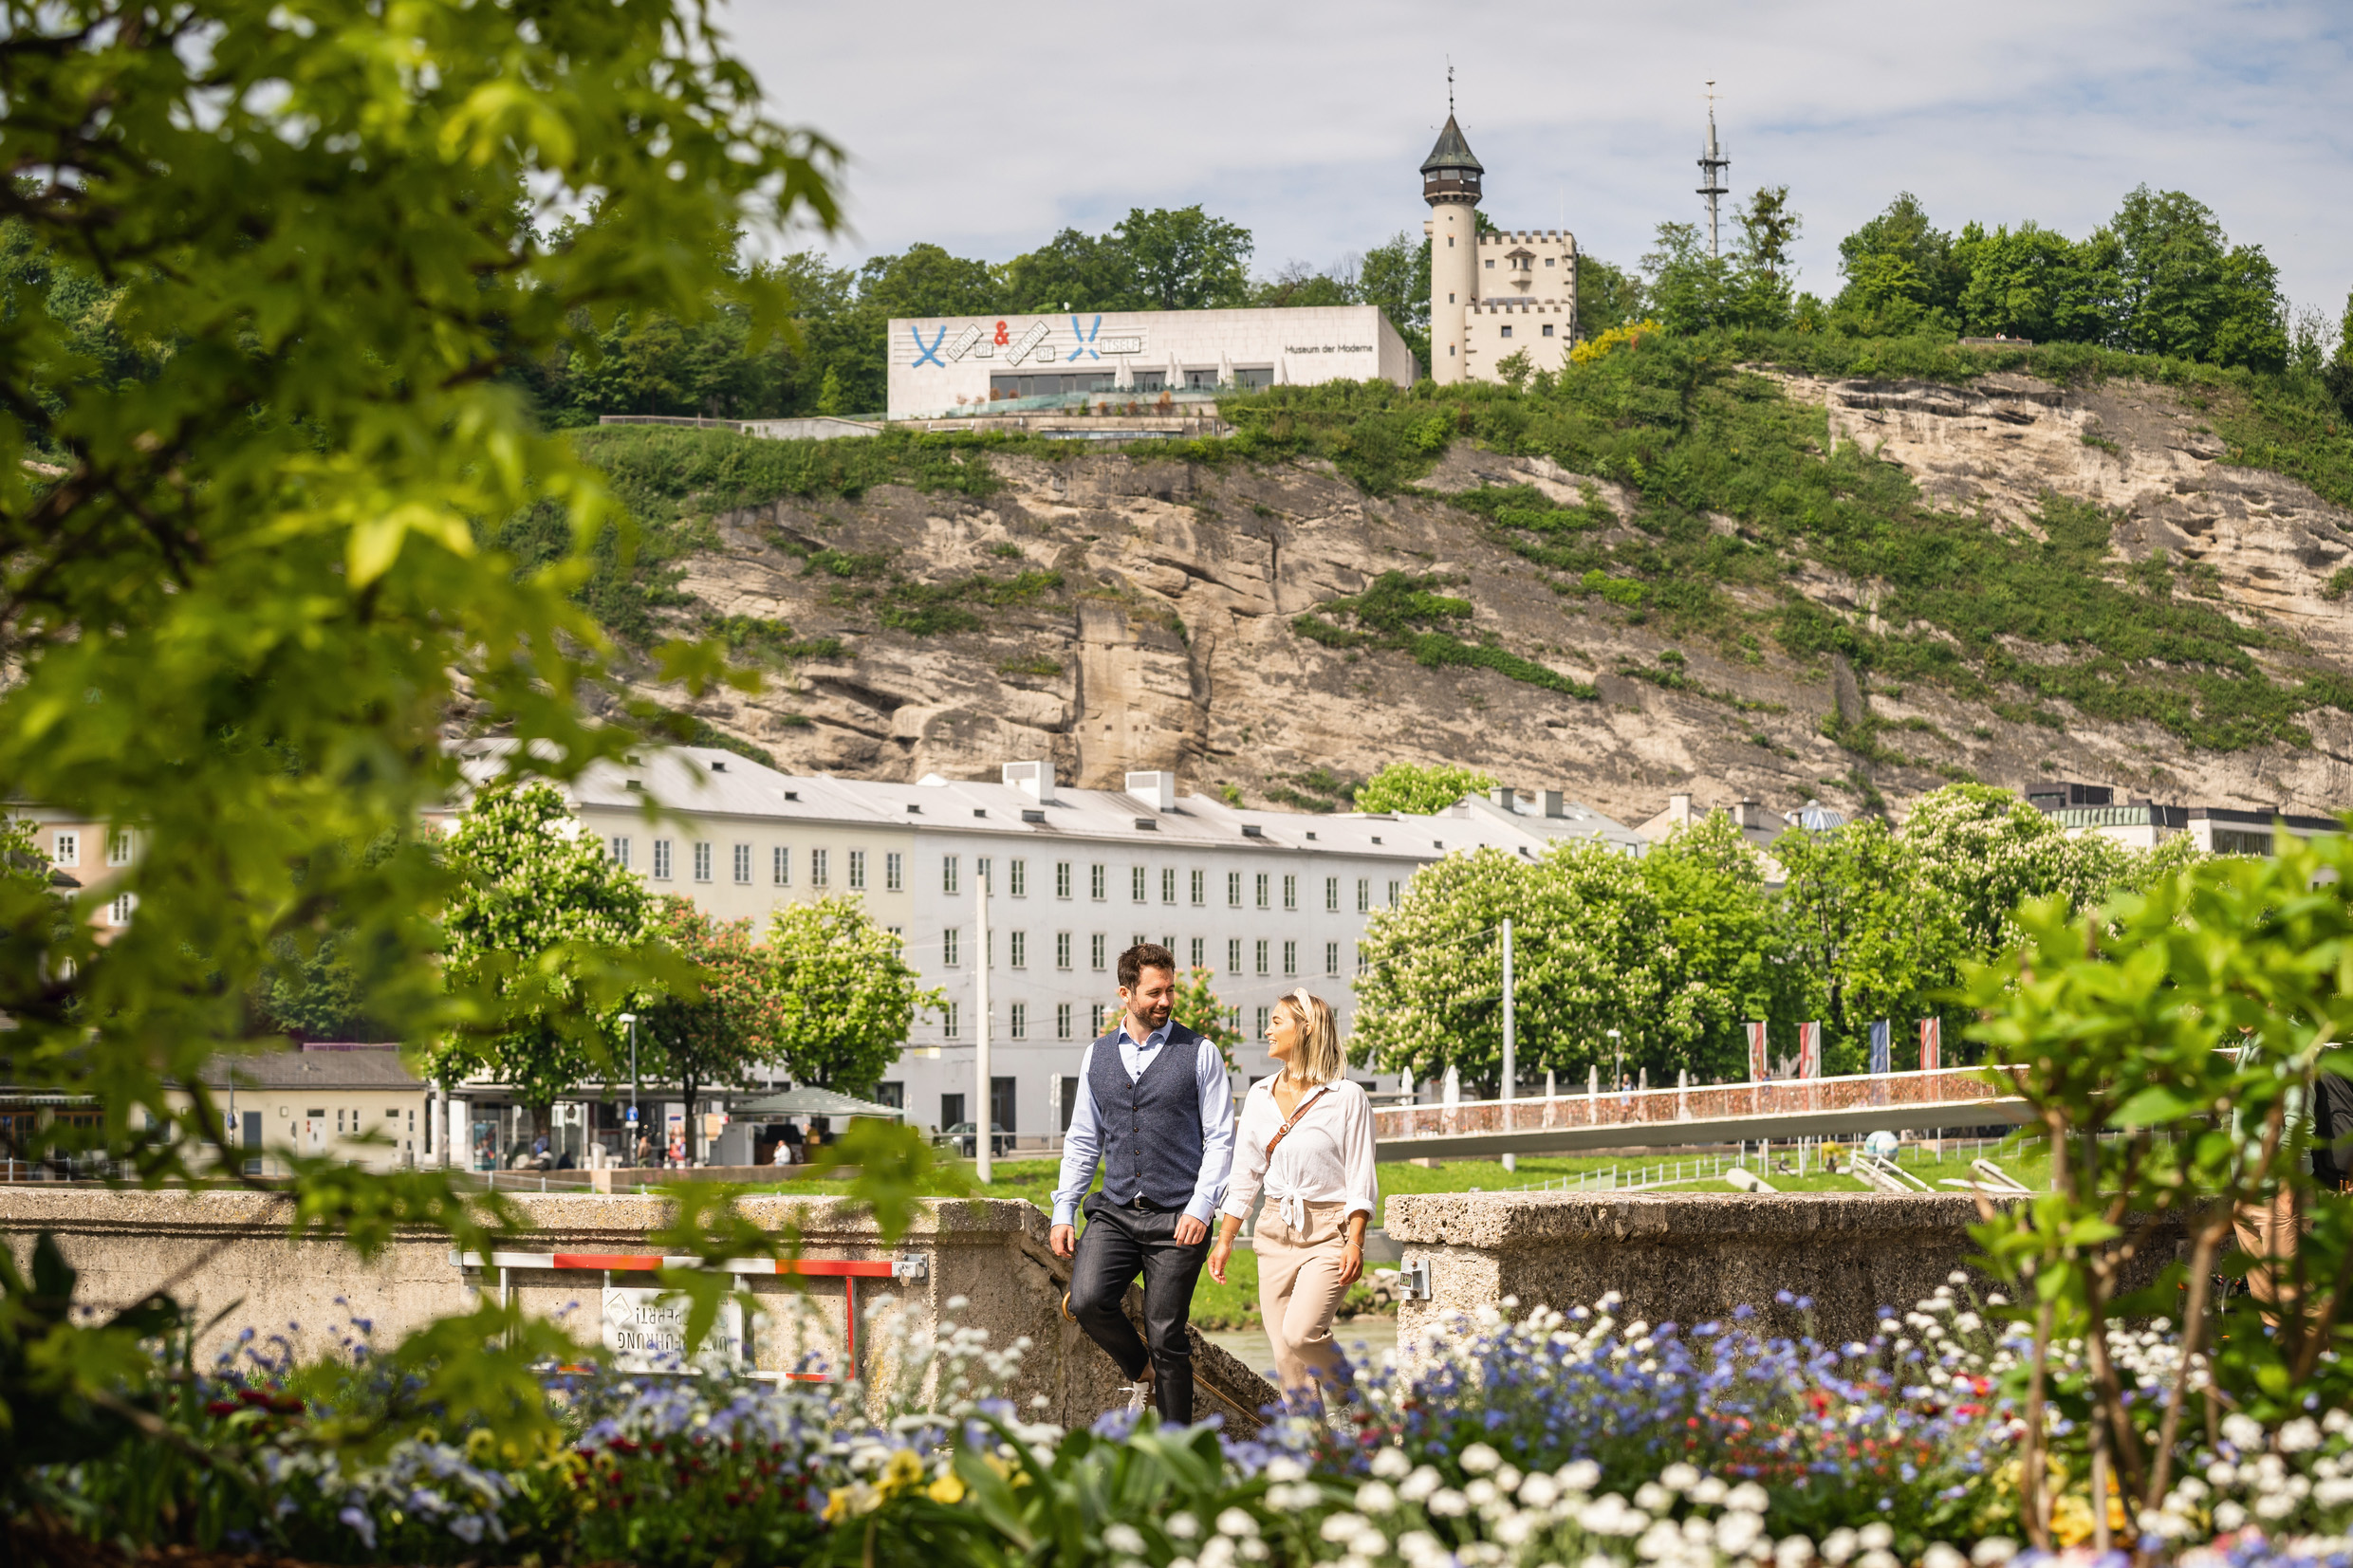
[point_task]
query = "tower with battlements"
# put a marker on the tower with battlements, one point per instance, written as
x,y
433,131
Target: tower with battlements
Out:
x,y
1496,294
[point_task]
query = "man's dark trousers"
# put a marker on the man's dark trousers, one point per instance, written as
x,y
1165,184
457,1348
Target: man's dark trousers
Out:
x,y
1118,1241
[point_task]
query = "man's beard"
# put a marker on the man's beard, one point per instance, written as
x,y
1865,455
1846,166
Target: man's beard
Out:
x,y
1154,1016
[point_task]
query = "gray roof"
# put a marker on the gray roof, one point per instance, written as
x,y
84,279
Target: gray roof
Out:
x,y
809,1101
1452,151
328,1066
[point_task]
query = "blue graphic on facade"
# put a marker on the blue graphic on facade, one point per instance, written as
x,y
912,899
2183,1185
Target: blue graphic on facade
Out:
x,y
1879,1045
1086,335
931,352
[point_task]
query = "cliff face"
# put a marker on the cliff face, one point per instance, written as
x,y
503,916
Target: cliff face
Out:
x,y
1116,613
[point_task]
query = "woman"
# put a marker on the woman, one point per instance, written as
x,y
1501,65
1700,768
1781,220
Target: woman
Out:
x,y
1306,1137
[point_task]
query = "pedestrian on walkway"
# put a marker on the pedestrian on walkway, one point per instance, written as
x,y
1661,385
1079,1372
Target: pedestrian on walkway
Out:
x,y
1155,1107
1306,1138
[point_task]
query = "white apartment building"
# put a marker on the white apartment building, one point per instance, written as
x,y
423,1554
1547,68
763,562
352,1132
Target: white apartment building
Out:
x,y
1265,900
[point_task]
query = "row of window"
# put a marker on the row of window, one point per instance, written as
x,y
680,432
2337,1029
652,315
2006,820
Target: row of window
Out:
x,y
1261,885
1065,1015
621,849
1099,952
1140,883
66,848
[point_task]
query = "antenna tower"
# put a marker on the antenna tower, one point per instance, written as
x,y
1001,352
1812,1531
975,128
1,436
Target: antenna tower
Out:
x,y
1712,166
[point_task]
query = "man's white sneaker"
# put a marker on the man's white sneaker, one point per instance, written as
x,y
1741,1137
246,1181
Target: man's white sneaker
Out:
x,y
1136,1395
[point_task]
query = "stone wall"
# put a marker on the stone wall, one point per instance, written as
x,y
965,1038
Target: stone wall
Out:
x,y
232,1250
1688,1258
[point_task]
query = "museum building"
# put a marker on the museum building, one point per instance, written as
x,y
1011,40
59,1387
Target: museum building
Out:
x,y
949,364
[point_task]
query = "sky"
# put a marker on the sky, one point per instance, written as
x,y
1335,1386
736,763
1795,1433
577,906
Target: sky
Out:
x,y
986,128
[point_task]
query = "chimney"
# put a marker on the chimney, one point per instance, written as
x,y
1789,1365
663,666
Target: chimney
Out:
x,y
1035,779
1748,814
1679,810
1506,797
1553,803
1157,790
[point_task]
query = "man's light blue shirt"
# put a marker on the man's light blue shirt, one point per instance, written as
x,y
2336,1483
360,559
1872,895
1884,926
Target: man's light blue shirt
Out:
x,y
1081,1146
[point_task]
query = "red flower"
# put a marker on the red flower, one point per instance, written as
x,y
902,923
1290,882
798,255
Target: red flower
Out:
x,y
223,1407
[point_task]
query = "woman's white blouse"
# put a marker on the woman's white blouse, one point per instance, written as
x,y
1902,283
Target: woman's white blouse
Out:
x,y
1327,1157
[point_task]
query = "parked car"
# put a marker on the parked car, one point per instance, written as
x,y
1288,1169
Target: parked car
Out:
x,y
964,1135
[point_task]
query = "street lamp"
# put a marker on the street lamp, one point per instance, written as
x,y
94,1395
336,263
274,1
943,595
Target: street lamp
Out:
x,y
631,1019
1617,1056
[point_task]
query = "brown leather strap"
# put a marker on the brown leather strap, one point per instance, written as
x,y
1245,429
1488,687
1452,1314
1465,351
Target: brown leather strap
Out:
x,y
1285,1131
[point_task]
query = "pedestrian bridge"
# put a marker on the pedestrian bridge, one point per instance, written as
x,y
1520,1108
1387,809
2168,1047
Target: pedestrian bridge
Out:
x,y
1713,1113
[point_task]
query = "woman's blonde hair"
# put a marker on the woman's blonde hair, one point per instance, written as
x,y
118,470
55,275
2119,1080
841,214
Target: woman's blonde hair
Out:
x,y
1320,1058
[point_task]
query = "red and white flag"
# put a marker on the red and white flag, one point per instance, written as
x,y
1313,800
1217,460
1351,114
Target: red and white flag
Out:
x,y
1931,1044
1809,1050
1758,1068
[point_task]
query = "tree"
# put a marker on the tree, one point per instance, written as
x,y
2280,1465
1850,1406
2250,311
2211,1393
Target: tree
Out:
x,y
1072,272
1198,1009
1861,947
1418,789
2186,290
712,1032
537,904
1296,285
2034,284
2338,377
1901,270
1395,275
1186,260
1607,297
1691,291
1515,368
240,597
1768,230
844,996
1715,955
1978,853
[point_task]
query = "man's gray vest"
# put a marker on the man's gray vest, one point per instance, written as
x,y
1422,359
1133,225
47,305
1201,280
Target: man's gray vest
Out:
x,y
1151,1129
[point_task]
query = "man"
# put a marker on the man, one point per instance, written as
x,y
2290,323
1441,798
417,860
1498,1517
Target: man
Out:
x,y
1156,1109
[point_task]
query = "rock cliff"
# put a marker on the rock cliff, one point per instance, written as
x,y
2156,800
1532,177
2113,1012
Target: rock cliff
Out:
x,y
1117,612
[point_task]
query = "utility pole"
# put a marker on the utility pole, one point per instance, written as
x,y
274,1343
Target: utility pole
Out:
x,y
1511,1057
631,1020
981,1119
1712,166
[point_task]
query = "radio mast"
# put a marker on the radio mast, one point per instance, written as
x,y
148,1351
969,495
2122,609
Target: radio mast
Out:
x,y
1712,166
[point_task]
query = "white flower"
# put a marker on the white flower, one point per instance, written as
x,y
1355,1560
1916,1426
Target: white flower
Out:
x,y
2274,1505
1237,1523
1182,1528
1181,1563
1661,1542
2336,1421
1514,1528
1942,1555
1355,1559
1124,1538
1737,1531
1709,1492
1539,1491
1653,1497
1878,1559
1481,1492
1680,1477
1377,1497
1508,1479
1217,1554
1253,1550
1417,1545
1337,1528
1876,1537
1992,1552
1478,1459
2242,1431
1837,1546
1611,1517
1750,1497
1448,1503
2222,1473
2300,1435
1283,1468
2333,1493
1578,1475
2229,1516
1392,1464
1793,1552
1417,1487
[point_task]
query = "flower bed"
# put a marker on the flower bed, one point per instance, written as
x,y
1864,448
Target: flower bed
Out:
x,y
1537,1440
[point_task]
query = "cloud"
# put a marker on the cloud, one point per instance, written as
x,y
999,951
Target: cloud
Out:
x,y
986,128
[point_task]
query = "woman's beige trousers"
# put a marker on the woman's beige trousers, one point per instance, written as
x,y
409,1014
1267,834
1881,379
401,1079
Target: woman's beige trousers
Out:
x,y
1299,1290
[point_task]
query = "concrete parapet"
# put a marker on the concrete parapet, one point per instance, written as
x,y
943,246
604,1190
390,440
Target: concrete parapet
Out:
x,y
1688,1258
216,1250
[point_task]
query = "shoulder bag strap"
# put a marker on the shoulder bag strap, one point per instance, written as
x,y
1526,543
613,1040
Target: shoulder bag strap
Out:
x,y
1285,1131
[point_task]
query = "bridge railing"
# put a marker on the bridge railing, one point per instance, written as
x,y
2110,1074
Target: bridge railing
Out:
x,y
1957,1086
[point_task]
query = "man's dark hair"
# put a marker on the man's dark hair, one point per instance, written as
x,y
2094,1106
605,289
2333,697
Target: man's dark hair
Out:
x,y
1143,956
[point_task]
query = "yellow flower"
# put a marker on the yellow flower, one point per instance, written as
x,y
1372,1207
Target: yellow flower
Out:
x,y
856,1498
904,1471
948,1488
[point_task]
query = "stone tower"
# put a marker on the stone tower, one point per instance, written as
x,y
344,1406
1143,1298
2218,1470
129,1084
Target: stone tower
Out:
x,y
1450,183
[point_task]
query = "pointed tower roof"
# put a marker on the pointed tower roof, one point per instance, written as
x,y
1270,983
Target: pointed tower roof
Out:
x,y
1452,151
